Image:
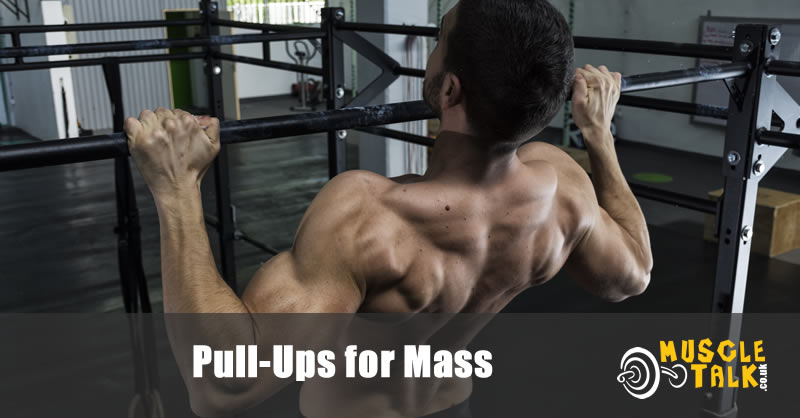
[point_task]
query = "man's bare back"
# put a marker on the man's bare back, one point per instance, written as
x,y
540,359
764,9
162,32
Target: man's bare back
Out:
x,y
434,246
426,245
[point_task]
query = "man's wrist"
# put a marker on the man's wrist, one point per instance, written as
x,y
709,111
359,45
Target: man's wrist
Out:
x,y
595,132
598,138
178,199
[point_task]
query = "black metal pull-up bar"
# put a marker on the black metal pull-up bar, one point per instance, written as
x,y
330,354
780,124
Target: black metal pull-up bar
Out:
x,y
789,68
102,147
115,145
85,27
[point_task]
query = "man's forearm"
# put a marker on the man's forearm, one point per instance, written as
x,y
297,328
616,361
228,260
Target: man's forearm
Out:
x,y
191,282
613,192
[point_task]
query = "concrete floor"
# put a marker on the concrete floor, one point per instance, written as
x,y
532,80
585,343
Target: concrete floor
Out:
x,y
59,249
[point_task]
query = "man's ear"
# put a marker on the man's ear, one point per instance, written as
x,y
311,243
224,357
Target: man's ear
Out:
x,y
452,94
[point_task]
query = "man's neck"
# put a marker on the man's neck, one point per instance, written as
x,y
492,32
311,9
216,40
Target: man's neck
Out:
x,y
467,158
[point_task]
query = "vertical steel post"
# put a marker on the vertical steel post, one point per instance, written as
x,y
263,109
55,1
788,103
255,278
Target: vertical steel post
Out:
x,y
266,52
129,243
225,226
16,43
741,185
129,252
333,73
750,109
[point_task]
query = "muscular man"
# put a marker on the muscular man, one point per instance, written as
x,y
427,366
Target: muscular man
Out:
x,y
488,220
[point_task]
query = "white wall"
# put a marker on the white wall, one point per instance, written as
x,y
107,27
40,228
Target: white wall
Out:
x,y
675,20
144,85
256,81
382,155
60,78
679,21
30,93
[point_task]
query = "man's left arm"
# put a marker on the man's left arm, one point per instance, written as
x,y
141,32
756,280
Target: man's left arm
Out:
x,y
173,150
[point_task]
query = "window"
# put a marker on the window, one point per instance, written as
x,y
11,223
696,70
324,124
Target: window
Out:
x,y
277,12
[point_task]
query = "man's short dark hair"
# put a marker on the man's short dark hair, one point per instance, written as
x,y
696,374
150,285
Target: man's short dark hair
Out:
x,y
515,61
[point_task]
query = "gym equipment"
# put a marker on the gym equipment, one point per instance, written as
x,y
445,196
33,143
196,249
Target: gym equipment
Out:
x,y
309,90
751,147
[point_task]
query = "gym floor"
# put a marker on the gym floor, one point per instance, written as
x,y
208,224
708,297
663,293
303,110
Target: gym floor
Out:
x,y
56,226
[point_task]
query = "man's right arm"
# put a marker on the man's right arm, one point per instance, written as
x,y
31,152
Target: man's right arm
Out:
x,y
613,259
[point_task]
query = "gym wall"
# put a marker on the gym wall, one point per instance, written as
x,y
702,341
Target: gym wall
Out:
x,y
255,81
30,102
94,107
390,157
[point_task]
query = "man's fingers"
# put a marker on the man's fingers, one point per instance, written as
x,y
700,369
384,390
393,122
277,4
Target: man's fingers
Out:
x,y
617,78
132,128
148,118
181,113
593,70
579,90
164,113
591,77
212,128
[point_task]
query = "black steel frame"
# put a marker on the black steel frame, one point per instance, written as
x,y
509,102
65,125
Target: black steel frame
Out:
x,y
15,8
753,144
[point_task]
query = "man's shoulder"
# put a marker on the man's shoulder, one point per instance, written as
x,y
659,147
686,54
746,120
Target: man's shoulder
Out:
x,y
543,151
350,194
574,191
567,169
357,184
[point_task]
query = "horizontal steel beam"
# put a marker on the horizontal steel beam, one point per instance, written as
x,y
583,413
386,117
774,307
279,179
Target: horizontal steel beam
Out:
x,y
655,47
102,147
717,112
698,204
581,42
82,27
132,59
403,136
260,26
788,68
271,64
102,47
389,29
779,139
411,72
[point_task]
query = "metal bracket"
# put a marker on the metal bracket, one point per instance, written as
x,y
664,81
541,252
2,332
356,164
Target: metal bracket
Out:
x,y
735,93
783,105
371,52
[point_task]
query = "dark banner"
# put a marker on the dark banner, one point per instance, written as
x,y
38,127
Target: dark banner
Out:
x,y
507,365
